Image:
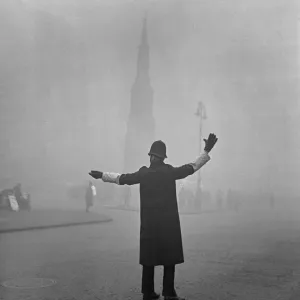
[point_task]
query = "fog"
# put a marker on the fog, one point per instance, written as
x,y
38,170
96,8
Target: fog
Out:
x,y
67,69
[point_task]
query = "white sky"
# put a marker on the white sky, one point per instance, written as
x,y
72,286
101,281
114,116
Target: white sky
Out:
x,y
238,57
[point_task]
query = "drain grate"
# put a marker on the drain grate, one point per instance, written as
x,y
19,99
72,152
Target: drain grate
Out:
x,y
28,283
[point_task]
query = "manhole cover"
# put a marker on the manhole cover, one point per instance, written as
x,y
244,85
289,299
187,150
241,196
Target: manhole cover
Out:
x,y
28,283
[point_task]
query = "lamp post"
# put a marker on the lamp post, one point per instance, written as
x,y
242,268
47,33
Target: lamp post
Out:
x,y
201,113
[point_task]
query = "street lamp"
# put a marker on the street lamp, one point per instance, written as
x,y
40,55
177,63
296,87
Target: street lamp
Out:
x,y
201,113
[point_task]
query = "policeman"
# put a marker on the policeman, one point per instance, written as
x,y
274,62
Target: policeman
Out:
x,y
160,231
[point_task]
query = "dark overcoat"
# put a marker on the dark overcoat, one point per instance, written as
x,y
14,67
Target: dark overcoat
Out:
x,y
160,232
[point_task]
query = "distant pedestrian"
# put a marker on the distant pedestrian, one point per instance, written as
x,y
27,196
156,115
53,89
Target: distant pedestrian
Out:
x,y
219,200
182,203
17,189
229,200
235,201
89,196
198,200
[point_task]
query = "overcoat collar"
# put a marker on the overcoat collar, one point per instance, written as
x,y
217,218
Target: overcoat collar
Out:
x,y
156,164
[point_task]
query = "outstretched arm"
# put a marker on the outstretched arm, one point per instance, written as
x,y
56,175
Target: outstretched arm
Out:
x,y
117,178
191,168
200,161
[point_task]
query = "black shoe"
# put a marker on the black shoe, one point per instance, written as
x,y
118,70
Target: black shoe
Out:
x,y
173,297
152,296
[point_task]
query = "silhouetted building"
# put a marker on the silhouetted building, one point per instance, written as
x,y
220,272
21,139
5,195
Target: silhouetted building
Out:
x,y
141,124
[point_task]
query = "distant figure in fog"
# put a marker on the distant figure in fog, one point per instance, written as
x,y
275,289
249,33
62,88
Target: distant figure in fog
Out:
x,y
190,199
236,202
229,200
17,190
198,200
180,198
186,198
233,200
89,196
160,231
219,200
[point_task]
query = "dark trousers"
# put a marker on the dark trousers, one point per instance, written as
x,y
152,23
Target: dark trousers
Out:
x,y
168,281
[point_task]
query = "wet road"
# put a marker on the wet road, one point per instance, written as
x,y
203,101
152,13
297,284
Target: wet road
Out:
x,y
250,255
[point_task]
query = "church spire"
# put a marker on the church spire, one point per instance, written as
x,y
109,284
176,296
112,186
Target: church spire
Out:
x,y
141,92
144,32
143,55
141,123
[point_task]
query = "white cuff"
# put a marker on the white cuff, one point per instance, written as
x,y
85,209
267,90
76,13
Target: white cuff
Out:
x,y
200,161
111,177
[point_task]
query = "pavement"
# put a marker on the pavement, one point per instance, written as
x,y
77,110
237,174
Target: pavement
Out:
x,y
250,255
50,218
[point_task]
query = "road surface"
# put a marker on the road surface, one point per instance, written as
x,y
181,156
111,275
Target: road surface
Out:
x,y
252,255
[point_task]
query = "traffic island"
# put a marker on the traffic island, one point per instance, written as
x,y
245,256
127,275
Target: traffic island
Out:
x,y
43,219
122,207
